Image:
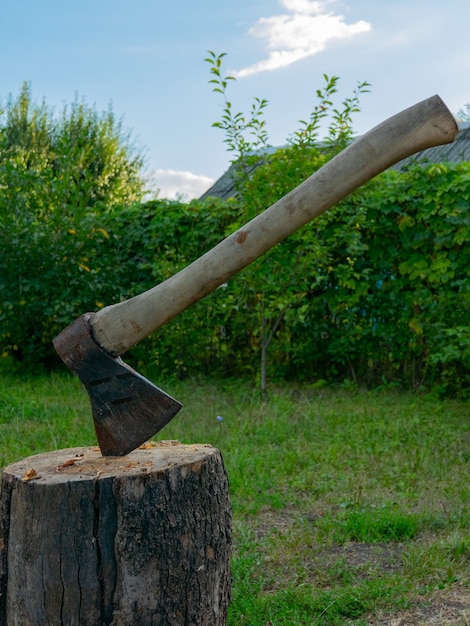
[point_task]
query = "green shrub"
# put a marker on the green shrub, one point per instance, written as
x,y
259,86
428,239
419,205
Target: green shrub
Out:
x,y
61,178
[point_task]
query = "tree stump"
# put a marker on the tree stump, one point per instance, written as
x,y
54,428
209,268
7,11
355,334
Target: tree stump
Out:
x,y
88,540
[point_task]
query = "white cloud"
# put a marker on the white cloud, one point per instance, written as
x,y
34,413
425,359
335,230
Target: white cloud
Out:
x,y
175,185
302,32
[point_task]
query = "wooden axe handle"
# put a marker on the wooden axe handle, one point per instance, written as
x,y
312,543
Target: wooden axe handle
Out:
x,y
428,123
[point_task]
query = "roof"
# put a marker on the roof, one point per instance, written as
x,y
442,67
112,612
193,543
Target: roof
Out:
x,y
455,152
224,187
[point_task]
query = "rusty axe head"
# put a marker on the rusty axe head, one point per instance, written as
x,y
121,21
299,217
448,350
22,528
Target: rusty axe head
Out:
x,y
127,408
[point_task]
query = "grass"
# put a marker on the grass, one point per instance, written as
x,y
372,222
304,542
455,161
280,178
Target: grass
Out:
x,y
348,504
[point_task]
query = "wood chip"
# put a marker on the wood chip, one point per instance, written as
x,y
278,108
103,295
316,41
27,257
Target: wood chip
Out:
x,y
31,474
65,464
146,446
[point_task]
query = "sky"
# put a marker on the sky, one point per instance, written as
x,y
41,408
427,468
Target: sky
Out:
x,y
145,58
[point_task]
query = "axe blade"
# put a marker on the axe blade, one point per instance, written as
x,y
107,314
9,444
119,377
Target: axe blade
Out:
x,y
127,408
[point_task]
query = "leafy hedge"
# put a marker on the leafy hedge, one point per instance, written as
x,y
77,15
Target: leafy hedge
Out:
x,y
398,301
376,290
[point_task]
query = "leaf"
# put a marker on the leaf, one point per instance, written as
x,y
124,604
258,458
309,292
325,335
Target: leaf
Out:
x,y
103,232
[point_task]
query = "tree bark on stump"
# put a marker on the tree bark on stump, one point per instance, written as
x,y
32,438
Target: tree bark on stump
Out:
x,y
143,539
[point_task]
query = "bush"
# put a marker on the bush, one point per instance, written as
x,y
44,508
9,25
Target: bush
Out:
x,y
61,178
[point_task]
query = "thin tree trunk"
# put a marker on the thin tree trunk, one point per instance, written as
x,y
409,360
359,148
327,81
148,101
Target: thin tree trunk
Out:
x,y
265,343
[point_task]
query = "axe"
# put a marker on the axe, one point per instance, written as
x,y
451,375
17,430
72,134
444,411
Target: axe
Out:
x,y
127,408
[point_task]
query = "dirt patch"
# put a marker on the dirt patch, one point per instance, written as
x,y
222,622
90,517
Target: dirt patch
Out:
x,y
442,608
268,521
449,607
363,557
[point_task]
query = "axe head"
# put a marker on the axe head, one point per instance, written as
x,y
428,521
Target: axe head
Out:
x,y
127,408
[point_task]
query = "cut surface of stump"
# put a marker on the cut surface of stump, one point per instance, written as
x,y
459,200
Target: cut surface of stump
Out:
x,y
93,540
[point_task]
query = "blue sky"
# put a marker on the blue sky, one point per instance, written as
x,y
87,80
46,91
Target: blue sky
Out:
x,y
146,58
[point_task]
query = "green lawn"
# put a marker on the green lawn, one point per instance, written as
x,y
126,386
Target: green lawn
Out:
x,y
348,504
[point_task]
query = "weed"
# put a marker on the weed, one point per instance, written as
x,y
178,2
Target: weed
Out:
x,y
377,525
